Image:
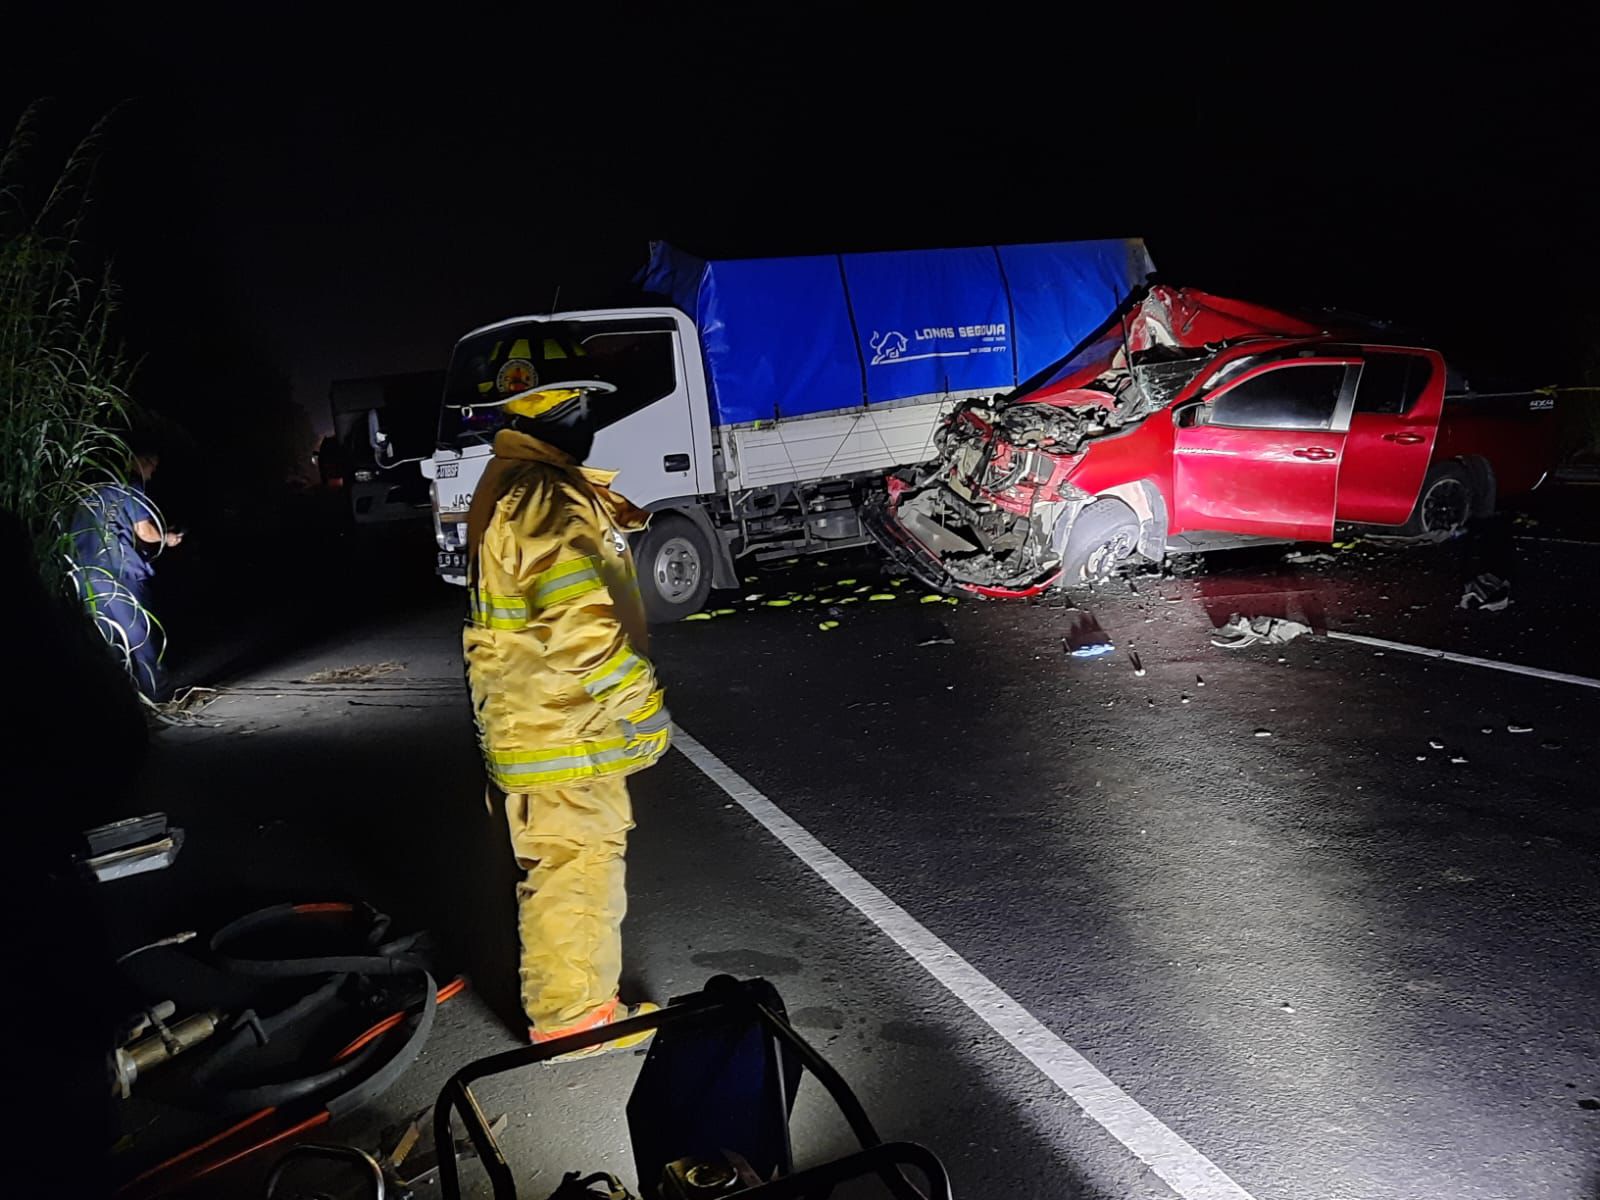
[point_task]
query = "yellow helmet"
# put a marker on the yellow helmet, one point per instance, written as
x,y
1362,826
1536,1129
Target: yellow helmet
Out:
x,y
536,404
518,377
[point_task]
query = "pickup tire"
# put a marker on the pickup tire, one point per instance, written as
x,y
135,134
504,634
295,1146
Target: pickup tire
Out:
x,y
674,565
1104,536
1445,504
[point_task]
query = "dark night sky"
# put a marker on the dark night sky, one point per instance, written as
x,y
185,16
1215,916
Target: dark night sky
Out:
x,y
295,203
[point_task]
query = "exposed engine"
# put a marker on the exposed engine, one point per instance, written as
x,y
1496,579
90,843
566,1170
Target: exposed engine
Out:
x,y
987,508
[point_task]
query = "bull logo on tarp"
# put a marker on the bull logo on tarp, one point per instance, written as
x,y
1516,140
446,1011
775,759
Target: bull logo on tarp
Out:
x,y
887,347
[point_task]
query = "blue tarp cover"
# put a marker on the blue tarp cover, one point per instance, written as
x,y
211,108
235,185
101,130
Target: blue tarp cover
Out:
x,y
787,337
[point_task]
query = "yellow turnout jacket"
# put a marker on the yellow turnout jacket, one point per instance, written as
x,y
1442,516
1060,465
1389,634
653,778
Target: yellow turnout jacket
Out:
x,y
555,645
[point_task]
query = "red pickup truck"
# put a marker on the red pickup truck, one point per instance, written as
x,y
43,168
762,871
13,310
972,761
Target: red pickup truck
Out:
x,y
1194,423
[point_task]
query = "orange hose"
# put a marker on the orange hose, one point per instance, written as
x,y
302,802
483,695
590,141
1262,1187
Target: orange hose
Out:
x,y
448,992
196,1149
311,1122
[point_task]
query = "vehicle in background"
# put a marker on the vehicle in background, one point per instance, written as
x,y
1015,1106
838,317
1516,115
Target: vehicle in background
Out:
x,y
382,476
1192,422
756,406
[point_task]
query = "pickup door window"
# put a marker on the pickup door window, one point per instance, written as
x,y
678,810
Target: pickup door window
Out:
x,y
1261,455
1392,432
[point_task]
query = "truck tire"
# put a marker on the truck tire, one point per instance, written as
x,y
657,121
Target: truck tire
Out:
x,y
1444,505
1103,537
674,564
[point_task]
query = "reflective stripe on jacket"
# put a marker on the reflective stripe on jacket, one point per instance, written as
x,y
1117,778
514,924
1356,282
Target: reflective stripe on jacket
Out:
x,y
556,640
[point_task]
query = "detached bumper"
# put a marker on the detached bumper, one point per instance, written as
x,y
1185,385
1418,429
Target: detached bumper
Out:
x,y
911,555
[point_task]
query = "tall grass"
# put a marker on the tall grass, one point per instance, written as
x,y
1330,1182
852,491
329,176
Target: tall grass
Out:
x,y
64,405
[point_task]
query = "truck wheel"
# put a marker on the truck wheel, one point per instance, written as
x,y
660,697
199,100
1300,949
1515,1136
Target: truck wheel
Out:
x,y
674,564
1444,505
1102,539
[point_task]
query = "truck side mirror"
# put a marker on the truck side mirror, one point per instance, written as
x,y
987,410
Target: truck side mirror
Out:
x,y
377,438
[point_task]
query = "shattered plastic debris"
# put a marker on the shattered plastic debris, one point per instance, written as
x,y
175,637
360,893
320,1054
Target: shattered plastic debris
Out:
x,y
932,598
1519,728
1487,593
699,616
1436,745
778,603
827,625
939,636
881,596
1084,637
1306,557
1243,631
1263,733
754,596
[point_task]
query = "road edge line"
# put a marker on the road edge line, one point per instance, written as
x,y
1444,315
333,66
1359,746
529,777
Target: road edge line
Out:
x,y
1179,1165
1467,659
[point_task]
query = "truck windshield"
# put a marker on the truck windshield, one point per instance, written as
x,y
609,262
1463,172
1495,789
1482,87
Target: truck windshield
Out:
x,y
634,354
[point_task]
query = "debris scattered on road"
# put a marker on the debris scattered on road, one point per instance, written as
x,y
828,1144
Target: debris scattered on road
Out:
x,y
1137,664
1519,728
827,625
1240,631
1084,637
1198,682
699,616
1263,733
939,638
1487,593
1487,729
1458,759
360,673
932,598
1305,557
1550,745
1436,745
881,596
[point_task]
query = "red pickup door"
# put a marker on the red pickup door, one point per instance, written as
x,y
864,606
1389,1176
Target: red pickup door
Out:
x,y
1205,423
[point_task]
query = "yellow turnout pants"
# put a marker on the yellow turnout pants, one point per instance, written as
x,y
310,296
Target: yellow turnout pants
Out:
x,y
571,841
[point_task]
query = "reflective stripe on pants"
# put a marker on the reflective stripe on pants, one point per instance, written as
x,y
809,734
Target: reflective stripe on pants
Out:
x,y
571,841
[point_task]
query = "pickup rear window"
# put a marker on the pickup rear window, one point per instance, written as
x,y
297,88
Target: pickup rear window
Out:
x,y
1392,383
1286,397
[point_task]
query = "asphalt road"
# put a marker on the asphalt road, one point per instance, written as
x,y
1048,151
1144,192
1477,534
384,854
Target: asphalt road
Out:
x,y
1252,887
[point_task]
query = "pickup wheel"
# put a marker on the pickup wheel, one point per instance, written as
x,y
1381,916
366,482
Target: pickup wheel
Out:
x,y
1103,537
1444,505
674,565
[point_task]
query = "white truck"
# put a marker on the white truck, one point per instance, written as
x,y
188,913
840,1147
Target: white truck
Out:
x,y
756,407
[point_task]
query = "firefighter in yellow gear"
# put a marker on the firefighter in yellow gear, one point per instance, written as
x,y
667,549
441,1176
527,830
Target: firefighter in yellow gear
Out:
x,y
565,701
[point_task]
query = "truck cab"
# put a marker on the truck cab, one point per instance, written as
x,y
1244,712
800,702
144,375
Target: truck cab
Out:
x,y
653,432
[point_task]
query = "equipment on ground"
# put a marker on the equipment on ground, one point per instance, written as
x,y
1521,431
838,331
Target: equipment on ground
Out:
x,y
708,1117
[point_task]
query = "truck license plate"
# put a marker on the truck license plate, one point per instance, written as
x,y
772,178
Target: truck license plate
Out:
x,y
452,562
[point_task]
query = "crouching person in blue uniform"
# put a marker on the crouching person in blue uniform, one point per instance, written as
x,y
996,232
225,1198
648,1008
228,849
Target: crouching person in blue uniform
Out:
x,y
116,532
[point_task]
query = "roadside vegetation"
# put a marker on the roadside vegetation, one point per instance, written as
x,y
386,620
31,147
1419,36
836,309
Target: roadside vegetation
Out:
x,y
64,405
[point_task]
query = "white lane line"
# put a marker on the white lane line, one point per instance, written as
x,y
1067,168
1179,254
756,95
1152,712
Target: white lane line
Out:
x,y
1468,659
1183,1168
